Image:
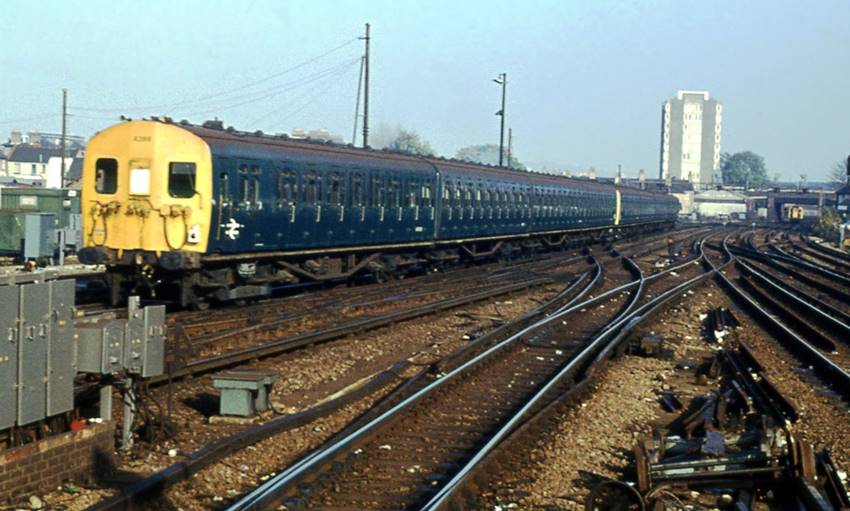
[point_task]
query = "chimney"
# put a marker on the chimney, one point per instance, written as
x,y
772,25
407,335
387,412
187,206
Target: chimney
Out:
x,y
642,179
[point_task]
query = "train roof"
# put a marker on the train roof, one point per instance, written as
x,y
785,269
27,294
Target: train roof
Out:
x,y
214,132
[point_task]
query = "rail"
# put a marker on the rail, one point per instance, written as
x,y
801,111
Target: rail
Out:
x,y
625,322
833,373
268,492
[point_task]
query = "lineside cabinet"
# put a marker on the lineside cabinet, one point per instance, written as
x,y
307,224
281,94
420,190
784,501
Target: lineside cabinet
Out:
x,y
37,348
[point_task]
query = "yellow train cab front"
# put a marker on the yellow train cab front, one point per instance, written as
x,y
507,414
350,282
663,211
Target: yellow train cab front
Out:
x,y
146,189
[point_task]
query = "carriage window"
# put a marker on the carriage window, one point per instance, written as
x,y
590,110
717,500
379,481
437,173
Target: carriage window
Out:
x,y
378,192
181,180
334,190
225,186
312,189
249,192
285,189
394,194
426,196
411,194
106,175
357,190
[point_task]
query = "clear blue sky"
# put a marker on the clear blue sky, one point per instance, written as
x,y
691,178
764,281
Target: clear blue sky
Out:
x,y
587,79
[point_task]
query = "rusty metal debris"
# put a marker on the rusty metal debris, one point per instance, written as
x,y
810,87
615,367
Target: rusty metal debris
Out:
x,y
735,444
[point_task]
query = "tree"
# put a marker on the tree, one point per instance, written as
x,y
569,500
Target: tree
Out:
x,y
828,224
838,173
486,154
743,169
410,142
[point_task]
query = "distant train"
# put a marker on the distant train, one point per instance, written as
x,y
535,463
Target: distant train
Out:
x,y
792,213
204,214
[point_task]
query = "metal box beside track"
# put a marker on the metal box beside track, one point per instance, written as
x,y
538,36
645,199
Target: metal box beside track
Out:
x,y
100,346
107,345
39,235
144,346
37,348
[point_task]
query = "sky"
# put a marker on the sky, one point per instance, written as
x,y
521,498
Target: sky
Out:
x,y
586,79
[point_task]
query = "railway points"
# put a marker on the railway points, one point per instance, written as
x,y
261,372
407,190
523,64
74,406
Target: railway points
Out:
x,y
200,310
499,317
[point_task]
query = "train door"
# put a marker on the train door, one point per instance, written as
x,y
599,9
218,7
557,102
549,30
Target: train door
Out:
x,y
447,205
466,209
286,207
355,214
427,216
394,214
225,227
412,219
375,209
332,229
310,206
249,205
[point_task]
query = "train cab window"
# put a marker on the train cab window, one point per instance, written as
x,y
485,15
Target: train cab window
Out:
x,y
181,180
106,175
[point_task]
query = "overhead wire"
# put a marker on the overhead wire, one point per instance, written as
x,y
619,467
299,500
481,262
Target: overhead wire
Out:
x,y
202,99
207,109
328,83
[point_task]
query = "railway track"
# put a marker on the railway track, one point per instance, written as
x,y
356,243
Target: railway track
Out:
x,y
802,325
223,447
265,329
521,474
404,456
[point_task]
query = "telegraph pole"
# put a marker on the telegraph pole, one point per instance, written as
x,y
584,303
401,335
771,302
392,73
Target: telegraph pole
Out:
x,y
357,104
366,89
503,81
64,130
510,146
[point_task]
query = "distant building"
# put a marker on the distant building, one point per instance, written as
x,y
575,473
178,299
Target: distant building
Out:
x,y
30,164
720,205
690,138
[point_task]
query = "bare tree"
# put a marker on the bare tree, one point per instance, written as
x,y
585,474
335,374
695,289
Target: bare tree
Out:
x,y
838,173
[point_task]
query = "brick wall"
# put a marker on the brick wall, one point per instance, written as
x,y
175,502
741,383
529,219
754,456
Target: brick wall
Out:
x,y
74,456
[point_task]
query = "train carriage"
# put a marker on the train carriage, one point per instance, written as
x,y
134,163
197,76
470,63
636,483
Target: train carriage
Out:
x,y
205,213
